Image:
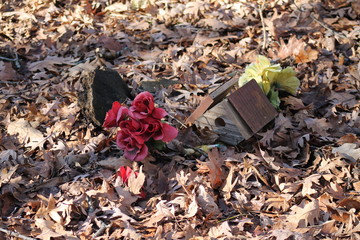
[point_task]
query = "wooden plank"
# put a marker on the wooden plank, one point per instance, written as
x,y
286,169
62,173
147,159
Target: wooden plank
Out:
x,y
211,100
234,116
217,120
219,93
253,106
200,110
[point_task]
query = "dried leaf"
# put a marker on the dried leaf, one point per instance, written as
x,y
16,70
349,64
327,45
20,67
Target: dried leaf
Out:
x,y
308,182
229,184
207,202
349,151
136,182
214,167
305,214
28,135
223,230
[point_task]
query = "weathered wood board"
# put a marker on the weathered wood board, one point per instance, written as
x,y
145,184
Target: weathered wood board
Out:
x,y
211,100
253,106
238,116
218,120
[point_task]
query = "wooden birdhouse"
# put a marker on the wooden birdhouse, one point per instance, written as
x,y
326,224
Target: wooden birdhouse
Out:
x,y
235,115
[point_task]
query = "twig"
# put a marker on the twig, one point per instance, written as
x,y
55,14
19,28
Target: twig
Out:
x,y
263,24
15,234
15,60
8,59
101,230
232,217
341,35
8,82
177,120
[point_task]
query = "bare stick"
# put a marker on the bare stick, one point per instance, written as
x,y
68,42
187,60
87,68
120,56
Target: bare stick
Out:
x,y
340,35
101,230
15,234
8,59
263,24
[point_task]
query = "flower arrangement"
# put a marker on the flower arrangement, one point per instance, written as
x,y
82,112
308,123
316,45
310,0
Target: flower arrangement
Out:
x,y
271,78
140,125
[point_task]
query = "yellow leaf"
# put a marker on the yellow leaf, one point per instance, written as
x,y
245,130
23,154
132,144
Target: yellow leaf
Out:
x,y
259,71
285,80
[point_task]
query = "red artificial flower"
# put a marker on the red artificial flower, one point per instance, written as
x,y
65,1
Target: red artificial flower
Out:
x,y
124,173
170,132
135,127
114,115
133,145
142,106
159,130
159,113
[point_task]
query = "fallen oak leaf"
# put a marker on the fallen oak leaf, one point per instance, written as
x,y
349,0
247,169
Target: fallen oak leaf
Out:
x,y
28,135
349,203
192,209
134,180
213,166
162,211
348,151
207,202
229,184
305,214
307,188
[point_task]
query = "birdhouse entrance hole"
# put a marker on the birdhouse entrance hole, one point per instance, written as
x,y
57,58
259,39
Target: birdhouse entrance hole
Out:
x,y
219,122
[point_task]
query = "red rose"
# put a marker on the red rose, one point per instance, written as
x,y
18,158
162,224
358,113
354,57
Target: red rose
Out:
x,y
159,131
133,145
135,127
114,115
170,132
159,113
142,106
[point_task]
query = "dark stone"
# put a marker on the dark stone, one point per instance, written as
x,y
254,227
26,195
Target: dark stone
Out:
x,y
102,87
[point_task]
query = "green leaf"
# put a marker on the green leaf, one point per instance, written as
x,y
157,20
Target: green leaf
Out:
x,y
274,97
157,144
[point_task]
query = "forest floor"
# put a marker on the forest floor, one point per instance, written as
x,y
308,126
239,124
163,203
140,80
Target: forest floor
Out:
x,y
298,178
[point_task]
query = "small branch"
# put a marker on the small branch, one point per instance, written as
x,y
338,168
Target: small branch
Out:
x,y
263,25
8,82
15,60
340,35
327,27
15,234
8,59
101,230
232,217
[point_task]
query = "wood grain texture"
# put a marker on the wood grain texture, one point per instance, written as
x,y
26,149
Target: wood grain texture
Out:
x,y
234,116
200,110
220,93
253,106
219,121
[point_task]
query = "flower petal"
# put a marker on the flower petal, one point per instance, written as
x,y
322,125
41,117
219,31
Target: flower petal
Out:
x,y
111,116
169,132
137,154
159,113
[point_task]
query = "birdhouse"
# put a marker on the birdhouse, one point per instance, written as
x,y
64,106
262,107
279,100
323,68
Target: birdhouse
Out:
x,y
235,115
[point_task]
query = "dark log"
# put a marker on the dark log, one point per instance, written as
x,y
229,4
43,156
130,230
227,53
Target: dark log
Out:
x,y
102,87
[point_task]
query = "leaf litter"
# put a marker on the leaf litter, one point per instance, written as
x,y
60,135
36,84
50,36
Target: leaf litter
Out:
x,y
297,178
